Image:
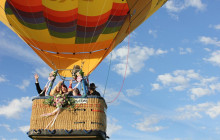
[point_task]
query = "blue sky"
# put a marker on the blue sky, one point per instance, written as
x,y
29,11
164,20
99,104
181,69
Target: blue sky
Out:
x,y
172,86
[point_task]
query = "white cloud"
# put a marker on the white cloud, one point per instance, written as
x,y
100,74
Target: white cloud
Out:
x,y
15,107
43,71
207,49
189,80
214,110
179,5
24,129
214,58
137,57
207,86
155,86
199,92
185,51
153,33
7,127
24,85
217,129
159,52
209,41
137,112
133,92
179,78
111,94
112,126
131,37
2,138
14,49
174,16
197,111
148,124
151,70
3,79
217,27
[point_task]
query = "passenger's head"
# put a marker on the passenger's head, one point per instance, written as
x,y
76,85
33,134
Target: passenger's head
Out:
x,y
92,87
76,92
64,88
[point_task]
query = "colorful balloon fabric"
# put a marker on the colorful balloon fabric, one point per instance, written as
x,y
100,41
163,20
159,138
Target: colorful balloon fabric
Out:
x,y
65,33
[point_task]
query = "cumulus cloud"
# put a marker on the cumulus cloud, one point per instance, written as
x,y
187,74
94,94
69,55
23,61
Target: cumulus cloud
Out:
x,y
15,107
197,111
112,126
14,49
23,85
2,138
131,37
137,57
209,41
111,94
43,71
159,52
207,49
7,127
3,79
153,33
155,86
180,80
148,124
133,92
199,92
175,6
214,58
179,5
151,70
183,51
217,27
24,129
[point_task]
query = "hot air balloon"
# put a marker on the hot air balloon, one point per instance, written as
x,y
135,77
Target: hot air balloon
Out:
x,y
66,33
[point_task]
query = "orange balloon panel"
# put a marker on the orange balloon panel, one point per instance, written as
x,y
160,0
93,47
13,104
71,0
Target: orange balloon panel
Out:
x,y
65,33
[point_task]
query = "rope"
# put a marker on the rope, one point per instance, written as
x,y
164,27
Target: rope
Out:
x,y
43,54
86,56
51,38
112,43
125,70
107,75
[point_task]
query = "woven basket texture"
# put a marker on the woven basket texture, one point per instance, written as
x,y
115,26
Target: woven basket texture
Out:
x,y
89,116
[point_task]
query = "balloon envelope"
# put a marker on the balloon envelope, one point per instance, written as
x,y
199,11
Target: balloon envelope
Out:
x,y
65,33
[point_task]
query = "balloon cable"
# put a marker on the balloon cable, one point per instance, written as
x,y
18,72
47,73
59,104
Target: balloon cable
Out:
x,y
125,70
107,75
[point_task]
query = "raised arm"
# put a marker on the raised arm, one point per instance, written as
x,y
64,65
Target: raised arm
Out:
x,y
39,90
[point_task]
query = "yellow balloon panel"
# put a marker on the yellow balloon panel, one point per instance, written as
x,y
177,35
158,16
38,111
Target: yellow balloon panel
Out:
x,y
65,33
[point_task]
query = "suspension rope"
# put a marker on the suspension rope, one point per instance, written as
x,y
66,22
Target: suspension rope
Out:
x,y
125,69
30,42
51,38
112,44
85,57
107,75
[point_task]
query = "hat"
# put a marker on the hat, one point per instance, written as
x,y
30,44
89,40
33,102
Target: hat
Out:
x,y
76,68
92,86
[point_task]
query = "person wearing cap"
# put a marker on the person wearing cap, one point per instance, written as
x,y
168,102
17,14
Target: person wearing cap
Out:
x,y
92,90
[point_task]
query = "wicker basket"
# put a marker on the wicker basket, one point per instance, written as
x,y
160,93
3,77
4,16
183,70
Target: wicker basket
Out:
x,y
87,116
